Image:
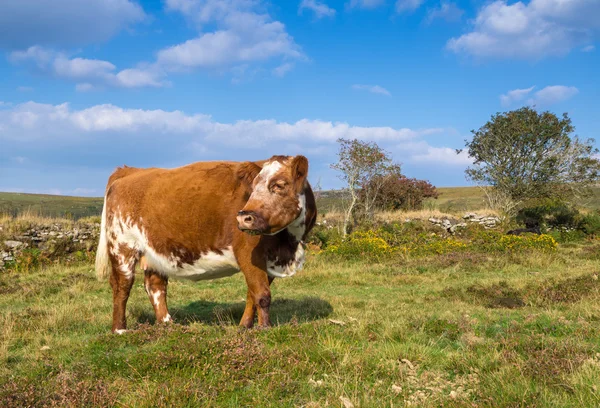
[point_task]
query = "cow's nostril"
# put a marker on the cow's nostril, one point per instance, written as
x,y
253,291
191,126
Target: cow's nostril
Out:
x,y
248,218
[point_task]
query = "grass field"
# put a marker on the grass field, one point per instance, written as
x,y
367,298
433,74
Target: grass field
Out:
x,y
49,205
451,330
451,200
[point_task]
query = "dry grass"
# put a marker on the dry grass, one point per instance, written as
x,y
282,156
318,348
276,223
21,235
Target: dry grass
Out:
x,y
335,217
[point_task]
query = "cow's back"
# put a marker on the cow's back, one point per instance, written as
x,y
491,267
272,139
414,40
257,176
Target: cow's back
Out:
x,y
184,212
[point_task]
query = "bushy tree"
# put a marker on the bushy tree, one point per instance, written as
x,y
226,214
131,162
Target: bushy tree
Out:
x,y
403,193
524,154
365,167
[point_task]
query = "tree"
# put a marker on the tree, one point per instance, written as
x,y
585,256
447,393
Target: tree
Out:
x,y
365,167
522,155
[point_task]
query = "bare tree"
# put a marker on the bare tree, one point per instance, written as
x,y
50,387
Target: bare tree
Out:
x,y
365,167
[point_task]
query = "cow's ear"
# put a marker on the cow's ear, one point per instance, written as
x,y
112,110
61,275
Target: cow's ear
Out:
x,y
247,172
299,171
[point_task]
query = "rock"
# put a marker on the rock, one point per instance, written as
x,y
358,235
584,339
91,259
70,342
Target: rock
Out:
x,y
13,244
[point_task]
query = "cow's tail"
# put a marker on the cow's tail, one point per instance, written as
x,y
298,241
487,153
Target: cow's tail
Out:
x,y
102,261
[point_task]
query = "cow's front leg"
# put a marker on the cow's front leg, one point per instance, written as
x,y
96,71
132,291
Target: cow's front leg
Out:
x,y
156,288
258,298
249,312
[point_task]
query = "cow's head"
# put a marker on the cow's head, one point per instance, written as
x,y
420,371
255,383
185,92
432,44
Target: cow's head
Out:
x,y
276,199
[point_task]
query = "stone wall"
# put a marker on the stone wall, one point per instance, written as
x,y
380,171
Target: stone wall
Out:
x,y
452,224
54,240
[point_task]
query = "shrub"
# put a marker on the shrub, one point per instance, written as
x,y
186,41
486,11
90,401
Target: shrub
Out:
x,y
394,240
323,236
550,214
494,241
360,245
29,259
402,193
590,224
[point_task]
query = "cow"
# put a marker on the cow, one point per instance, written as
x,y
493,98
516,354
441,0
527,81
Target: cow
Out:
x,y
206,220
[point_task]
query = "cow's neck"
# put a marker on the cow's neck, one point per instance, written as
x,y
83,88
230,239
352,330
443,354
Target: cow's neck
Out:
x,y
297,228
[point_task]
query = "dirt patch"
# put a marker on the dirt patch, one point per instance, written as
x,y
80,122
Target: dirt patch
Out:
x,y
544,359
498,295
569,290
64,389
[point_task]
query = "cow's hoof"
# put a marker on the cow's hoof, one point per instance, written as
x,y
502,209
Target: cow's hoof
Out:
x,y
119,331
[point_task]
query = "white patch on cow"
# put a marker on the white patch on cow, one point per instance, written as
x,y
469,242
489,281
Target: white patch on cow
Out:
x,y
120,331
167,318
298,226
156,297
211,265
265,176
289,269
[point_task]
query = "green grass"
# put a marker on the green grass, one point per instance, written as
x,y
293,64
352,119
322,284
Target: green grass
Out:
x,y
50,205
453,330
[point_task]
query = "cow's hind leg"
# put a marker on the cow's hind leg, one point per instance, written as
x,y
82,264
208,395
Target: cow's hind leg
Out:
x,y
121,280
156,288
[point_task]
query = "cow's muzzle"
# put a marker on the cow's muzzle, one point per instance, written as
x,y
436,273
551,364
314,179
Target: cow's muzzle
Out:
x,y
251,222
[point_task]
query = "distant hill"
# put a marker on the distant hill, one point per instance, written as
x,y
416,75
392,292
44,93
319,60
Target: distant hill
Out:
x,y
50,205
451,199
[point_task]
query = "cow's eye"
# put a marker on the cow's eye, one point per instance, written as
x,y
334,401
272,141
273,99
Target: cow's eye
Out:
x,y
278,186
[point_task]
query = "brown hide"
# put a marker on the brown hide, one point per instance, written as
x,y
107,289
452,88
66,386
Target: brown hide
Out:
x,y
190,211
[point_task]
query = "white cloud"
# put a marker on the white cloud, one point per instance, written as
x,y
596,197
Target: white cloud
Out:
x,y
443,155
408,6
24,89
365,4
588,48
447,11
243,34
64,145
81,68
553,94
534,30
138,77
319,9
376,89
283,69
89,73
62,23
25,122
516,95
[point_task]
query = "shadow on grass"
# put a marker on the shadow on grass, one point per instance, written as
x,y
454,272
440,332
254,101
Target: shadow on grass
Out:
x,y
282,311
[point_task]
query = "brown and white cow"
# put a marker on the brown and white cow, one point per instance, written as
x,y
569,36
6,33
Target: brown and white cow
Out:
x,y
207,220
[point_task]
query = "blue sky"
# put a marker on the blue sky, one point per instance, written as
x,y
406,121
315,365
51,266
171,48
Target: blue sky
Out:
x,y
88,86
